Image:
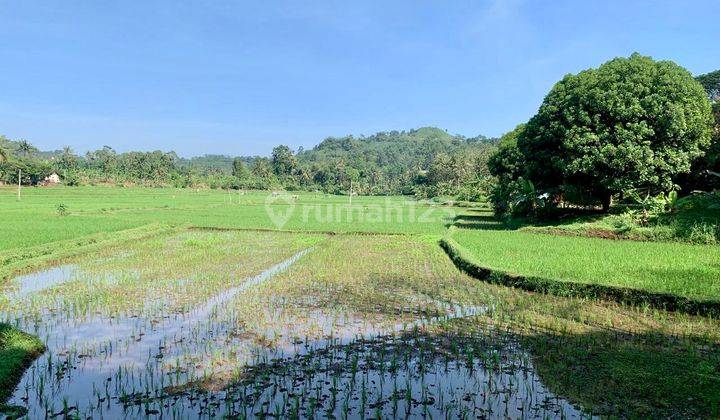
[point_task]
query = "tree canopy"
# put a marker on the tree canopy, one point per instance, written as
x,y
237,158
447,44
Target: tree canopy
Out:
x,y
426,162
711,84
283,160
631,123
239,170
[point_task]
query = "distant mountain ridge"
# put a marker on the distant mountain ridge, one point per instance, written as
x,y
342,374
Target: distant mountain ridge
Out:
x,y
414,148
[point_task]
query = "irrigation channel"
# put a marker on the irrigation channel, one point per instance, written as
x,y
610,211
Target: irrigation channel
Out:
x,y
151,366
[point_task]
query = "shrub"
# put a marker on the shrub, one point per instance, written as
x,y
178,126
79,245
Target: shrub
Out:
x,y
62,209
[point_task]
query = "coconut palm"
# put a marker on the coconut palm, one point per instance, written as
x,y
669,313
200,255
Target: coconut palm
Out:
x,y
25,148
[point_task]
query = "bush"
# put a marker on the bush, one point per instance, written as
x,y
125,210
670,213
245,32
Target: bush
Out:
x,y
704,233
62,209
71,179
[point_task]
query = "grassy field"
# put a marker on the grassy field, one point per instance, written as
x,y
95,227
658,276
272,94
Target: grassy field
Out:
x,y
35,220
33,227
680,269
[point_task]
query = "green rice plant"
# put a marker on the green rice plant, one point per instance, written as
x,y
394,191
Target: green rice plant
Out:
x,y
359,308
110,209
674,269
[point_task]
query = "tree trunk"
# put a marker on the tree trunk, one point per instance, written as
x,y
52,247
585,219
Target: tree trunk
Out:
x,y
606,202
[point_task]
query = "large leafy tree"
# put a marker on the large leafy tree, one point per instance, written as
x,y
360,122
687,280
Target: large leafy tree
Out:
x,y
261,168
711,83
105,159
703,175
507,165
631,123
712,158
283,160
68,159
507,162
239,170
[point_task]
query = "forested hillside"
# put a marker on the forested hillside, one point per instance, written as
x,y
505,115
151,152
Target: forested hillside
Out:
x,y
425,162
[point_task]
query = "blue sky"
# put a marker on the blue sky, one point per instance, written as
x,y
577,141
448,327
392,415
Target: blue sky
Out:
x,y
240,77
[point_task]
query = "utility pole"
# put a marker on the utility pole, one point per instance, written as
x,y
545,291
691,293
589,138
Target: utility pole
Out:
x,y
19,178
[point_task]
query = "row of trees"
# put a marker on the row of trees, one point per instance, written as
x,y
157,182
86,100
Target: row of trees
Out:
x,y
426,162
16,161
633,124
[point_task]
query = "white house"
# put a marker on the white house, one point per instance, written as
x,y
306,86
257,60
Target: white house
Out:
x,y
52,179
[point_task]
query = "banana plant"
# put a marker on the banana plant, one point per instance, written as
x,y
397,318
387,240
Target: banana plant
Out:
x,y
671,201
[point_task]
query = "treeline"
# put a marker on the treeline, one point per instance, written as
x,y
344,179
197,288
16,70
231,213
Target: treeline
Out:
x,y
633,127
425,162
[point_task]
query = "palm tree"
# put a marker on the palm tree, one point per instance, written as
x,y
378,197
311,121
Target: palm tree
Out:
x,y
25,148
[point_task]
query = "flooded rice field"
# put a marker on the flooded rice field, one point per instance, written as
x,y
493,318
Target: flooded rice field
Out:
x,y
249,325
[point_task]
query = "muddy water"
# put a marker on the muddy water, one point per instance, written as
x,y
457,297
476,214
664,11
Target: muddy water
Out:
x,y
208,362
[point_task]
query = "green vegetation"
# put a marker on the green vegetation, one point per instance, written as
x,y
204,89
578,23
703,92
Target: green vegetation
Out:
x,y
204,262
615,291
17,351
711,83
209,302
705,172
684,270
600,355
692,219
633,124
17,260
407,162
89,210
391,307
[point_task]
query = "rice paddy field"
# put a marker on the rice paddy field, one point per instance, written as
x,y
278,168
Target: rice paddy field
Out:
x,y
675,268
34,220
197,304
